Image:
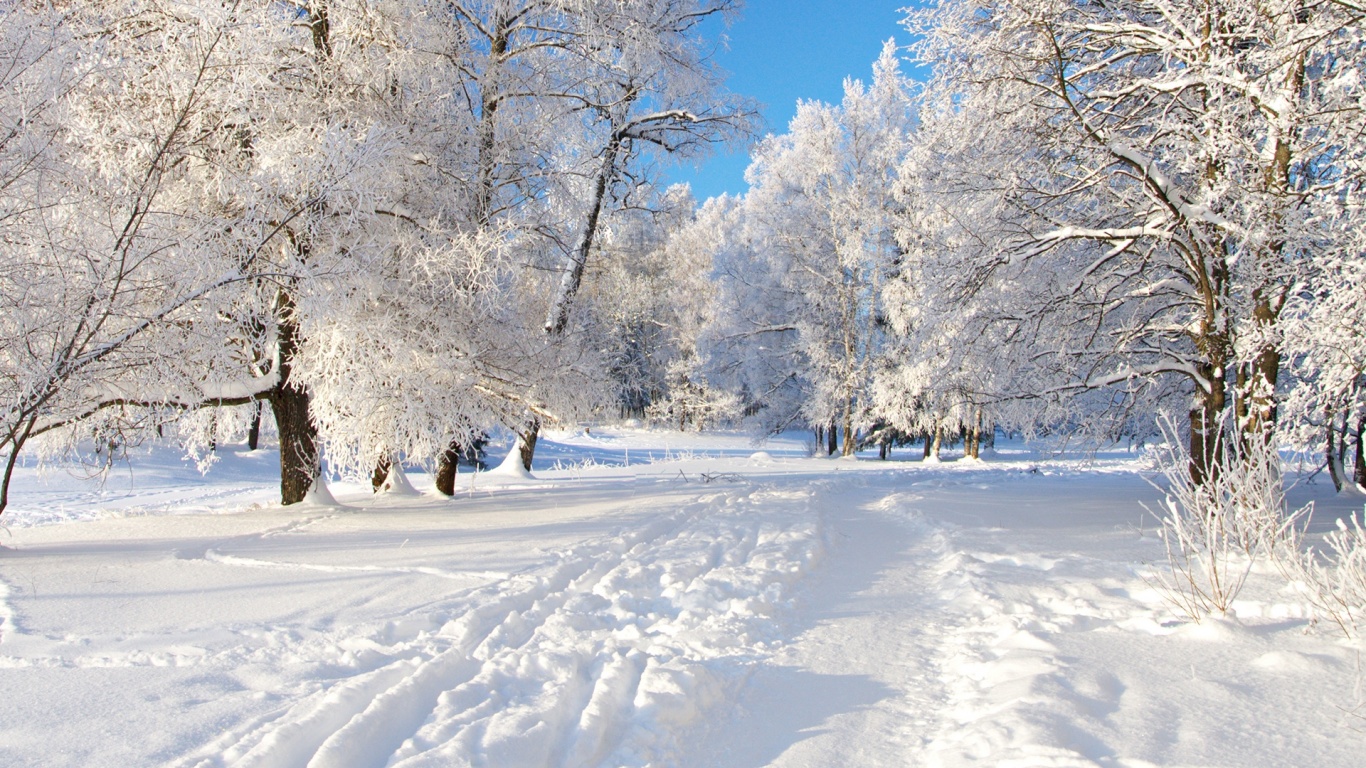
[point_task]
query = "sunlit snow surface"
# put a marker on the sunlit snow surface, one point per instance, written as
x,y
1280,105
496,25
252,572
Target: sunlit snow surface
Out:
x,y
646,598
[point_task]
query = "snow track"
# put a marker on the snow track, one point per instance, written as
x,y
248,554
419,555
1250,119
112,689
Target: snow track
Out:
x,y
607,655
789,612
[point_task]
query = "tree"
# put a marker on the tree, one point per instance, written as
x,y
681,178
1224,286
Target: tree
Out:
x,y
111,153
342,208
820,205
1155,173
649,86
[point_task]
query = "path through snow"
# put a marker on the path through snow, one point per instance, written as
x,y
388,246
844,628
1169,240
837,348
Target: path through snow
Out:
x,y
790,612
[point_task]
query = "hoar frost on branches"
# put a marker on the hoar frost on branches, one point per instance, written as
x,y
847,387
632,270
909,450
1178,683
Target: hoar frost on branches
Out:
x,y
806,278
1141,189
116,147
346,210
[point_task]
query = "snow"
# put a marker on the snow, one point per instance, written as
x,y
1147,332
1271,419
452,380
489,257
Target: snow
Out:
x,y
658,599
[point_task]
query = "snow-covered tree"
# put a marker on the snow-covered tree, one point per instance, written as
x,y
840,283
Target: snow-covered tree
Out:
x,y
1150,181
649,87
820,211
118,139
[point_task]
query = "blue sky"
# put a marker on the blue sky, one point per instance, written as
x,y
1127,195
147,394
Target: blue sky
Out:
x,y
784,50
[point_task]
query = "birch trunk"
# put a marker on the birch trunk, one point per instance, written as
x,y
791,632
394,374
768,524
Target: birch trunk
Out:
x,y
557,319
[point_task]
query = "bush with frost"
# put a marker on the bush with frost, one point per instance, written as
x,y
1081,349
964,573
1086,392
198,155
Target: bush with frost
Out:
x,y
1214,531
1333,578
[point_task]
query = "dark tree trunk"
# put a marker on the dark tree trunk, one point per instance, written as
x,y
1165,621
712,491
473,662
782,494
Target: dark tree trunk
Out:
x,y
381,473
1359,467
832,440
1331,454
557,319
1206,427
526,442
850,438
254,431
299,465
446,469
929,442
298,444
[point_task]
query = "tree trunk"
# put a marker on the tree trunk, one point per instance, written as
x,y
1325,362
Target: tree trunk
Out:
x,y
299,460
831,439
1359,467
1257,387
446,467
929,441
299,467
938,440
1206,426
381,473
526,442
850,443
557,319
254,431
1331,455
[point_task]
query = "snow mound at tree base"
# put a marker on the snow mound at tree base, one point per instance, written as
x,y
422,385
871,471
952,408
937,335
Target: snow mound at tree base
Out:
x,y
396,483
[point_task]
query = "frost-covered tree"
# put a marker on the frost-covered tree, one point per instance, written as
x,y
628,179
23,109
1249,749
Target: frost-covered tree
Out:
x,y
355,212
820,212
750,344
1324,326
644,293
1149,183
116,144
649,87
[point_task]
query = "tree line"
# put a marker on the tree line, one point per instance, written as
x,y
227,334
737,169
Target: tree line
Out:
x,y
1089,214
394,226
373,219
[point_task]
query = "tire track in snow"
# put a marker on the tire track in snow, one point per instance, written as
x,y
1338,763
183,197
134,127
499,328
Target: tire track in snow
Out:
x,y
316,720
605,655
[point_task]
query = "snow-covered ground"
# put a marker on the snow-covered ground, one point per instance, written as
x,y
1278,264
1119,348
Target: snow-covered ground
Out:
x,y
648,598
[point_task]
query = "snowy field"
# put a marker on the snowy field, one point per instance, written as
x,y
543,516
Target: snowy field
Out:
x,y
648,598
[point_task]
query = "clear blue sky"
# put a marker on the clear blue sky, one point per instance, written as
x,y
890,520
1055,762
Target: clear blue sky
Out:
x,y
784,50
